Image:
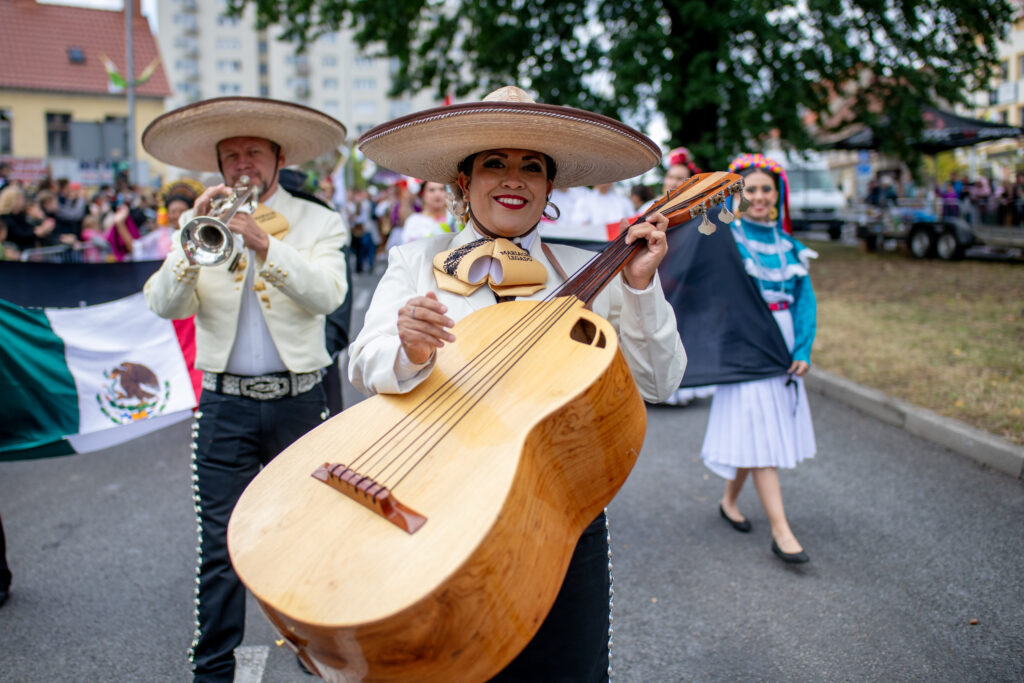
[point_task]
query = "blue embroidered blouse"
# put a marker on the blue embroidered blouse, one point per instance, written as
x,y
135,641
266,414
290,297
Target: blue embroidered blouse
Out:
x,y
778,264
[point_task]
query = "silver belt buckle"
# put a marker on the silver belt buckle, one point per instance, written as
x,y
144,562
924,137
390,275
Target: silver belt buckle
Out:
x,y
264,388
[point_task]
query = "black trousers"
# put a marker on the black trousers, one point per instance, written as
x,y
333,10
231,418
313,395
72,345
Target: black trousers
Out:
x,y
5,571
234,438
572,643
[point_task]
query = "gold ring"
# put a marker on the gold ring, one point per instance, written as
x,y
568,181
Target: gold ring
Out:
x,y
413,313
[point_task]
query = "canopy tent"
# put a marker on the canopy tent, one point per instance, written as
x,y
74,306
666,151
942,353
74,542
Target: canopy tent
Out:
x,y
943,131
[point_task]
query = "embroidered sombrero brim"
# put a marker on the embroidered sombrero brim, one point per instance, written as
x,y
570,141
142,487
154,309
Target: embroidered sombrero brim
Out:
x,y
588,148
187,137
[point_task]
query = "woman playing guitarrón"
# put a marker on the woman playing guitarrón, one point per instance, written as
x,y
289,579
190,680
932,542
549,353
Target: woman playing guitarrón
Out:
x,y
501,158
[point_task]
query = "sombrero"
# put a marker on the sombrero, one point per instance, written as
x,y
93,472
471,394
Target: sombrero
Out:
x,y
187,137
588,148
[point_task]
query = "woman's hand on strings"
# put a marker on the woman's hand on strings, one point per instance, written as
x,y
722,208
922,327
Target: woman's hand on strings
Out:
x,y
423,327
640,270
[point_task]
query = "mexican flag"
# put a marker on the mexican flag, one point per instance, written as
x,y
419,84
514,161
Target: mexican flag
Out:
x,y
74,380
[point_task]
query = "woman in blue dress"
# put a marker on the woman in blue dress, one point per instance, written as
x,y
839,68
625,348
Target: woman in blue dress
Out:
x,y
759,426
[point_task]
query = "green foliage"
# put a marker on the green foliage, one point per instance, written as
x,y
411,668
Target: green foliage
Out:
x,y
724,75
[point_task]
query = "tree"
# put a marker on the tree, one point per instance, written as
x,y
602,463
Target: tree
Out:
x,y
722,74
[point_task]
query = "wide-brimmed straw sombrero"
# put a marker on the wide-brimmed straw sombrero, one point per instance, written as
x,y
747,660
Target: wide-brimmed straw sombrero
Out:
x,y
187,137
588,148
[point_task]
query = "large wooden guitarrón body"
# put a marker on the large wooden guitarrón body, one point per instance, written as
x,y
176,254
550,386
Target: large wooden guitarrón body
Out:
x,y
506,493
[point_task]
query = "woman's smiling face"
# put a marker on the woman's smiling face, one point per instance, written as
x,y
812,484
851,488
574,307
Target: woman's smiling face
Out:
x,y
507,190
759,189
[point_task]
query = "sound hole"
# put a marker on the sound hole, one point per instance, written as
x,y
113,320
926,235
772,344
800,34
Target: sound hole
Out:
x,y
586,332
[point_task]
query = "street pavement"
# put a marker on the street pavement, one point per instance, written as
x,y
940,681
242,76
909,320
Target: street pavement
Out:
x,y
915,571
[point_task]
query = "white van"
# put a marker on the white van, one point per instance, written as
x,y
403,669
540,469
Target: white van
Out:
x,y
815,202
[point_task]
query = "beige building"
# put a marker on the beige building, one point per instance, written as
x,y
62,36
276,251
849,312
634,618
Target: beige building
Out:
x,y
59,112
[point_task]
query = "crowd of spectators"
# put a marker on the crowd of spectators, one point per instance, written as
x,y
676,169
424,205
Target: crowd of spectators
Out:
x,y
55,219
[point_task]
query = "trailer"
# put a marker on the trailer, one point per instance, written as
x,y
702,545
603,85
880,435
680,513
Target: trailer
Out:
x,y
932,228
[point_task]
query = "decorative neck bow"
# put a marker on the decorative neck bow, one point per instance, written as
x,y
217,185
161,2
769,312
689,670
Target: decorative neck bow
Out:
x,y
507,268
272,223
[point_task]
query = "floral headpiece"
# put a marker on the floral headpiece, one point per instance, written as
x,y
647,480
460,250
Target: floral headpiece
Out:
x,y
760,161
680,156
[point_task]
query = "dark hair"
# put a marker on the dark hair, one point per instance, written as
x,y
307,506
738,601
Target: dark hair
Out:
x,y
768,172
466,165
642,192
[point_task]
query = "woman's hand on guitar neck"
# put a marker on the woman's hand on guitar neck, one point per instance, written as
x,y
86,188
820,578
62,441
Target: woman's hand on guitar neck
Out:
x,y
423,327
640,269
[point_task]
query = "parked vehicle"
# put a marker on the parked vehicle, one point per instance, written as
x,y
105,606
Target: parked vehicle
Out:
x,y
815,203
930,229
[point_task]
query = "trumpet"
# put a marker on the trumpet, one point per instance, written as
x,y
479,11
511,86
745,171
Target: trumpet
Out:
x,y
207,240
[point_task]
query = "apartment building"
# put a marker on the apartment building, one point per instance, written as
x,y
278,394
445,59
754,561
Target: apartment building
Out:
x,y
207,54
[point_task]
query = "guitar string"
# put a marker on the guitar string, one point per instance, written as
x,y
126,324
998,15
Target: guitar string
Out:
x,y
600,275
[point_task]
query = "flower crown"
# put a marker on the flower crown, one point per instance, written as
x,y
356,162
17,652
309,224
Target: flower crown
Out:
x,y
760,161
757,161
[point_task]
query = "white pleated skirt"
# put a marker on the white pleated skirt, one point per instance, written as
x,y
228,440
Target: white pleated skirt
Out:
x,y
764,423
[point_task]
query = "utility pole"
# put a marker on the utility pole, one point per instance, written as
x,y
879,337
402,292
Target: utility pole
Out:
x,y
130,80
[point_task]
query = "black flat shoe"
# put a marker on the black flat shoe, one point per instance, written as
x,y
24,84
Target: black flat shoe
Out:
x,y
743,526
792,558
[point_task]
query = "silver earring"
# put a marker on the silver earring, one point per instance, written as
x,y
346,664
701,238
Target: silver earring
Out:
x,y
554,208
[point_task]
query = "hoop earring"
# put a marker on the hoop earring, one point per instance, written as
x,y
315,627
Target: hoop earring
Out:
x,y
554,208
773,214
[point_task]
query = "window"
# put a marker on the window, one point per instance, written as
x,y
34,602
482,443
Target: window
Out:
x,y
1020,116
264,91
185,20
364,62
1020,67
232,66
226,21
364,84
329,38
228,43
5,132
332,105
229,88
1004,70
1004,116
330,84
76,55
329,60
58,135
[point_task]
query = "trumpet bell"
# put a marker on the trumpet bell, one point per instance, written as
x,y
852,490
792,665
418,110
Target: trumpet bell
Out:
x,y
207,241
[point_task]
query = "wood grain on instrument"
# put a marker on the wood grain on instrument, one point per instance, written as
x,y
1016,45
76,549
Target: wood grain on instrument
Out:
x,y
506,493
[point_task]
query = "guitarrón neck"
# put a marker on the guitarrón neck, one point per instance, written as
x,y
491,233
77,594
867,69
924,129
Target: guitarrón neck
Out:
x,y
588,281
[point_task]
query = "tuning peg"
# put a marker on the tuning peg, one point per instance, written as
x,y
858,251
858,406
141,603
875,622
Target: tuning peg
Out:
x,y
744,203
725,215
706,227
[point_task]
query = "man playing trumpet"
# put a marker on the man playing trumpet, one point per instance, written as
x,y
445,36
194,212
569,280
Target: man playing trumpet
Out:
x,y
259,323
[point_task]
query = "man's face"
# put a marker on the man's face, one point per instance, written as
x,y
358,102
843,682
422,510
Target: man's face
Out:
x,y
253,157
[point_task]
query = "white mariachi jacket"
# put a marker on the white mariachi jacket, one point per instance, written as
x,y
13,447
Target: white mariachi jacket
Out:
x,y
644,321
301,281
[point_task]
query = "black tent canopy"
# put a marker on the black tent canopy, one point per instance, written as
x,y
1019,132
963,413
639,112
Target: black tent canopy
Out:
x,y
943,130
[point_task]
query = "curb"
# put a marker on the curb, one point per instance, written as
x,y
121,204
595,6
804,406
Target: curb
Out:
x,y
988,449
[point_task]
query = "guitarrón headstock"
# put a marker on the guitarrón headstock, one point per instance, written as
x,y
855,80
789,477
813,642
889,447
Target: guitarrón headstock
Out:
x,y
695,197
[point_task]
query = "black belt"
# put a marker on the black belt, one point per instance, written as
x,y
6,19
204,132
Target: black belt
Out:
x,y
262,387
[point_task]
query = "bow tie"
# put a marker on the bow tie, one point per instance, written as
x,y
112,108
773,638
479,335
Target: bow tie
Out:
x,y
507,268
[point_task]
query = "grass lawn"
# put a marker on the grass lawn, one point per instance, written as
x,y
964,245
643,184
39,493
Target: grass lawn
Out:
x,y
946,336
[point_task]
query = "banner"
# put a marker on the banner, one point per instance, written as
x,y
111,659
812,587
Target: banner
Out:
x,y
74,380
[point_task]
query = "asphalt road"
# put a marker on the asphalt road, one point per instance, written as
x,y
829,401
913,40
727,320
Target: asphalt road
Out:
x,y
909,543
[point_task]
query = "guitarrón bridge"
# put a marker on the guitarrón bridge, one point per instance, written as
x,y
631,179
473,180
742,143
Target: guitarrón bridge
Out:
x,y
368,493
